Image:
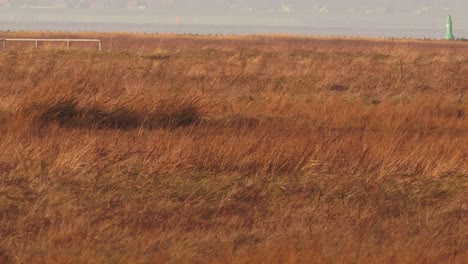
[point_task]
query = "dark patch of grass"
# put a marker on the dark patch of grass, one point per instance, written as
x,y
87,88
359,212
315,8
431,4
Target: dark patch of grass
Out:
x,y
424,87
68,113
5,257
158,57
173,113
62,111
338,88
3,119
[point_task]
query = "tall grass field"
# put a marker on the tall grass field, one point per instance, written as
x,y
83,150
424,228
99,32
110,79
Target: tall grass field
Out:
x,y
233,149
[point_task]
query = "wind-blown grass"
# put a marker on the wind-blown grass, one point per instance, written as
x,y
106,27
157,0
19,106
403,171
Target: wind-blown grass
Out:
x,y
234,150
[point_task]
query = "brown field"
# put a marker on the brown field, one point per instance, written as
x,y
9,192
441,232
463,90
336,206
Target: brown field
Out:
x,y
253,149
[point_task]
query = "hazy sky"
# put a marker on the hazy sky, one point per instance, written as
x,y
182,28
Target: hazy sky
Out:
x,y
241,4
352,17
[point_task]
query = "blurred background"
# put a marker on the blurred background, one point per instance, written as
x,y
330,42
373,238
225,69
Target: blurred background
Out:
x,y
365,18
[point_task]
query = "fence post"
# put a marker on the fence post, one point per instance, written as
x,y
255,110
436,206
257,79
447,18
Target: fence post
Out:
x,y
36,44
68,44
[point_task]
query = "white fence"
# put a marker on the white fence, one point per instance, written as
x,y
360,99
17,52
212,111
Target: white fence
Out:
x,y
36,41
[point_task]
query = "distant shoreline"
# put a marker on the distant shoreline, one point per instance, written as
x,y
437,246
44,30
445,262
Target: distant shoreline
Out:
x,y
144,21
421,33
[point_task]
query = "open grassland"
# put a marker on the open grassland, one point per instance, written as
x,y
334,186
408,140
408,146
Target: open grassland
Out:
x,y
259,149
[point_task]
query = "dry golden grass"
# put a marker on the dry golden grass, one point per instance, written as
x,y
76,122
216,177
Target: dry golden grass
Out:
x,y
255,149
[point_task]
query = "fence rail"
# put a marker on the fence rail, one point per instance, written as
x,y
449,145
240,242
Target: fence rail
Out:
x,y
36,41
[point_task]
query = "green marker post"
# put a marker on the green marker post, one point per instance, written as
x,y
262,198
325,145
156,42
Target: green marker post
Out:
x,y
449,35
